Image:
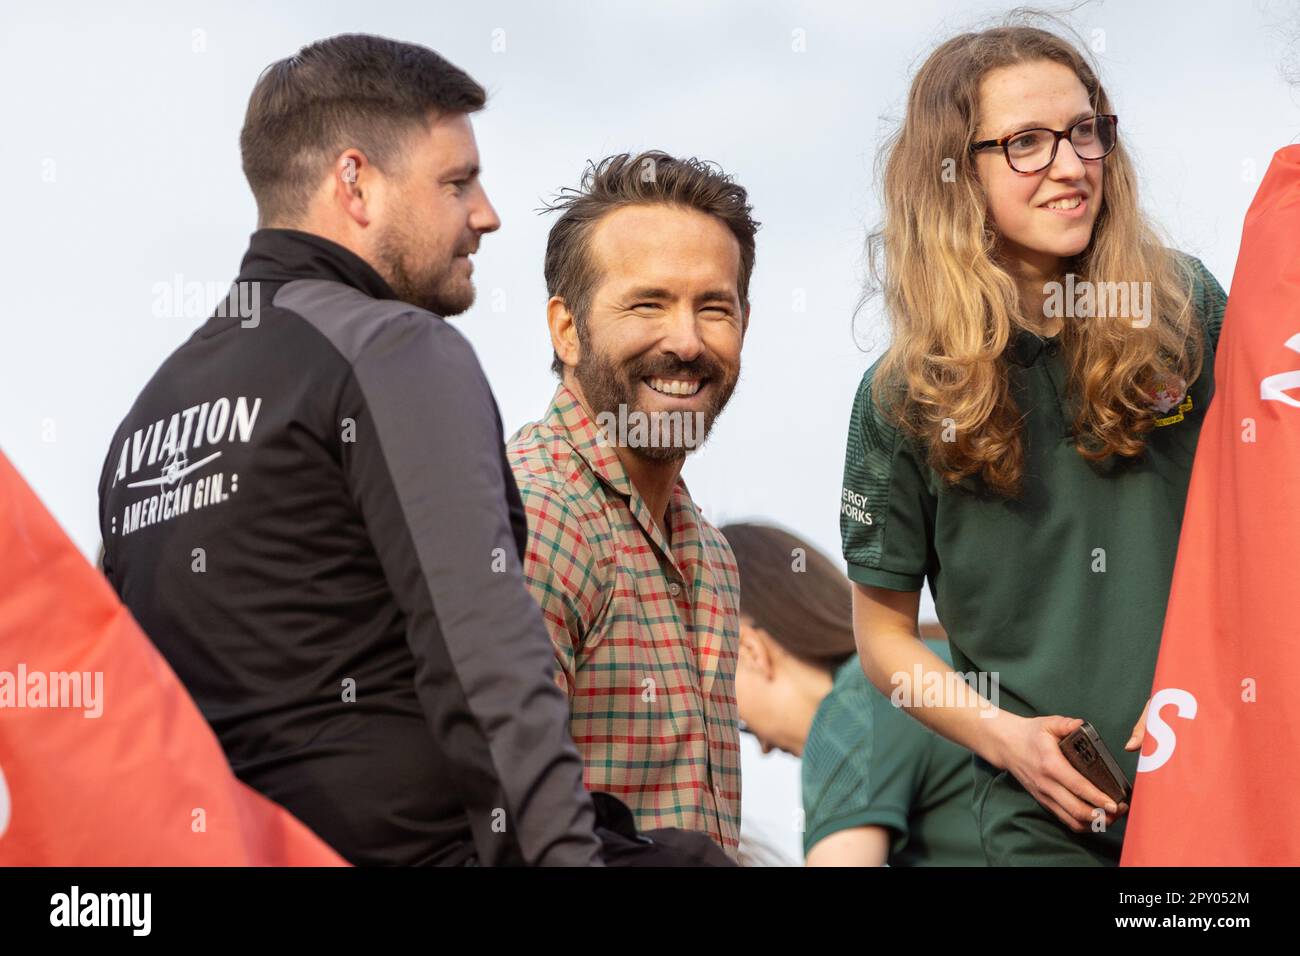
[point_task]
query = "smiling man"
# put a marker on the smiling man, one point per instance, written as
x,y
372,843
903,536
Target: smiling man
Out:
x,y
648,271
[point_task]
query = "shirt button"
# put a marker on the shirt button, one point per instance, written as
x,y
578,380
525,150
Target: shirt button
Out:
x,y
674,589
1053,349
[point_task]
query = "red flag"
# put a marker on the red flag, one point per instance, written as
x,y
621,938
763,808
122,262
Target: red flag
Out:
x,y
104,758
1218,783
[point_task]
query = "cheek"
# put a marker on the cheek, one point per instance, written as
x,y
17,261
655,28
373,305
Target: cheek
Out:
x,y
433,214
744,692
723,339
621,340
1010,205
750,699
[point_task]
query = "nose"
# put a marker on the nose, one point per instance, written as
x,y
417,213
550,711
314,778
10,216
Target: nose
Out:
x,y
483,217
1067,165
682,335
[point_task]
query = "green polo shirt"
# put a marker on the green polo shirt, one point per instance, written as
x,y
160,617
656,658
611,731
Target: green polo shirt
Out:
x,y
867,763
1061,594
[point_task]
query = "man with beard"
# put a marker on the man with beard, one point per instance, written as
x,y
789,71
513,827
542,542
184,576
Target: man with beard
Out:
x,y
309,510
648,271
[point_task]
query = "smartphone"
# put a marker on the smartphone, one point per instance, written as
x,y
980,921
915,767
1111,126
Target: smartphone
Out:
x,y
1088,754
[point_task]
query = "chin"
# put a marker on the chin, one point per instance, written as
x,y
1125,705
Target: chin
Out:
x,y
1067,247
448,302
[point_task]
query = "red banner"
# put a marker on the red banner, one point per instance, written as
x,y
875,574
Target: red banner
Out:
x,y
1218,783
104,758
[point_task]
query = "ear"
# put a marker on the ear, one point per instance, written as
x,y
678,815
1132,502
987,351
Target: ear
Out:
x,y
352,181
744,325
755,650
564,331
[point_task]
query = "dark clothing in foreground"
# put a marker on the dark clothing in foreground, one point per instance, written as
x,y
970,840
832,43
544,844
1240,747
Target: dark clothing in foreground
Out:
x,y
309,511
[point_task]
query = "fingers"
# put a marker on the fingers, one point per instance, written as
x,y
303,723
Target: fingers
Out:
x,y
1073,812
1139,729
1062,726
1061,813
1081,787
1054,783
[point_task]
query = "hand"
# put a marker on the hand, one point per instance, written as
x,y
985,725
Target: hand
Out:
x,y
1139,730
1031,752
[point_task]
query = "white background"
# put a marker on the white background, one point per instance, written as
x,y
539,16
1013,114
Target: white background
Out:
x,y
121,146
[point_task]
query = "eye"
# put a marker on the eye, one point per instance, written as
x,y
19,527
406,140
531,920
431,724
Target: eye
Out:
x,y
1026,142
646,305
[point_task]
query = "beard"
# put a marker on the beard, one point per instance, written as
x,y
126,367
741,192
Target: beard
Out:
x,y
607,386
430,279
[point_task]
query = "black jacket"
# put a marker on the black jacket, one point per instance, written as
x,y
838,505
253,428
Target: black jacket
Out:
x,y
309,511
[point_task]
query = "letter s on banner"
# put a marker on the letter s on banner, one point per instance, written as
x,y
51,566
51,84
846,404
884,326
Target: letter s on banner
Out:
x,y
4,803
1163,734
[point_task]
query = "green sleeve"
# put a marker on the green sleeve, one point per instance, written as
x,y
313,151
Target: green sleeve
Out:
x,y
862,762
886,506
898,765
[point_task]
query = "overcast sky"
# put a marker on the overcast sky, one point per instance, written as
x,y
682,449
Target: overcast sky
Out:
x,y
122,144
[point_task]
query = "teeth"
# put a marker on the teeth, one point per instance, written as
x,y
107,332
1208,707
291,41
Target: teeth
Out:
x,y
1071,203
670,387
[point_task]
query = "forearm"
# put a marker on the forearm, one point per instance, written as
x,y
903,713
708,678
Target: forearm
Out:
x,y
902,668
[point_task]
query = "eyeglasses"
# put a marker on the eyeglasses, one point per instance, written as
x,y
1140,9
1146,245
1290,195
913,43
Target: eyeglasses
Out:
x,y
1033,150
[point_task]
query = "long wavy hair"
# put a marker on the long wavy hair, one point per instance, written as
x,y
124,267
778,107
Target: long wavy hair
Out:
x,y
953,307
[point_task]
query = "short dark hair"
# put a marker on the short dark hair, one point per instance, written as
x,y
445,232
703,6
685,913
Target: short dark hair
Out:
x,y
650,177
351,90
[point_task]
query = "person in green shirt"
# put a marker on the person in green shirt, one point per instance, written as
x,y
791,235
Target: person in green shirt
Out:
x,y
877,786
1025,442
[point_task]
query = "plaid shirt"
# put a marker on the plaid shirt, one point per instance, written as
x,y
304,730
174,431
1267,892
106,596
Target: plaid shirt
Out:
x,y
645,632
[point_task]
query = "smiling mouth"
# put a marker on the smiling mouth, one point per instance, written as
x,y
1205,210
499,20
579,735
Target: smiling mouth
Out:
x,y
1065,205
675,388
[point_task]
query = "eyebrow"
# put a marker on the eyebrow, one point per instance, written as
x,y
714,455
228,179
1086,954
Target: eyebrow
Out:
x,y
464,171
649,293
717,295
1039,124
711,295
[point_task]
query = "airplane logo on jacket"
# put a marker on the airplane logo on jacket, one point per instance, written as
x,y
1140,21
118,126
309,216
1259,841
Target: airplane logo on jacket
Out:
x,y
174,469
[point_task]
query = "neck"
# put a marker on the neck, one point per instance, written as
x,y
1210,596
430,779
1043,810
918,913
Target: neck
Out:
x,y
1032,273
331,229
811,685
654,480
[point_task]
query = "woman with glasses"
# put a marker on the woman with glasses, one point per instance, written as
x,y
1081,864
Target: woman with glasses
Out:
x,y
878,787
1024,443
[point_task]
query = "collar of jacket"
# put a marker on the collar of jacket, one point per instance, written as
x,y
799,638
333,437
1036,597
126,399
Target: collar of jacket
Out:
x,y
569,419
1024,347
282,255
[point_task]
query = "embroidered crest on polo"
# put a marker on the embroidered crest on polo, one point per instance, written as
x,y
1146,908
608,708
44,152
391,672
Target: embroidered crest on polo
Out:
x,y
1172,396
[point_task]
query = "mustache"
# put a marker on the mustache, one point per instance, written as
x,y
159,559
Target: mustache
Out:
x,y
669,367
